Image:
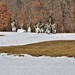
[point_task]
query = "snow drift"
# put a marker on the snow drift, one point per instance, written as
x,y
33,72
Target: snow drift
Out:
x,y
16,38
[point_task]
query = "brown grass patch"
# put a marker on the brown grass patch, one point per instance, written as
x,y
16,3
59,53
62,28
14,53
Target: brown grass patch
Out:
x,y
51,48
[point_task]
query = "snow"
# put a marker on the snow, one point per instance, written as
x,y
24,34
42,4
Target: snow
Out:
x,y
29,65
17,38
21,30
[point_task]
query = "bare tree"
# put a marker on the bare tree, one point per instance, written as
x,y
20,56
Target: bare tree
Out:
x,y
63,16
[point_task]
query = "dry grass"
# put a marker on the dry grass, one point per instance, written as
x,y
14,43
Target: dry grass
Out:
x,y
51,48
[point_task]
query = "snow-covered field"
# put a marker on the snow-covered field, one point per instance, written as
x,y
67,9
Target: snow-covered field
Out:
x,y
28,65
15,38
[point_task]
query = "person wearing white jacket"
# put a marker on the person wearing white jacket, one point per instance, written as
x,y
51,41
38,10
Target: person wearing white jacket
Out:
x,y
13,25
29,27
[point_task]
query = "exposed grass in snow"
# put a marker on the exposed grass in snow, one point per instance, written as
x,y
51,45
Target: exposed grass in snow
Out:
x,y
1,35
51,48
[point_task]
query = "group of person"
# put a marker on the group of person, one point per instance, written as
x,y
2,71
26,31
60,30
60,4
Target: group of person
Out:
x,y
39,27
43,28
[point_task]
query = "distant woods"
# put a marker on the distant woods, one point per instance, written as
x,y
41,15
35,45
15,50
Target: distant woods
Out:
x,y
61,11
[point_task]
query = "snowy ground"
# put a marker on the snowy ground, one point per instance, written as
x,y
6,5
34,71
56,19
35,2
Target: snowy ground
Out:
x,y
28,65
15,38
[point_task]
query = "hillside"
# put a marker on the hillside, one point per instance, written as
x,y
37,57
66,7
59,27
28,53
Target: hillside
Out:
x,y
62,12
